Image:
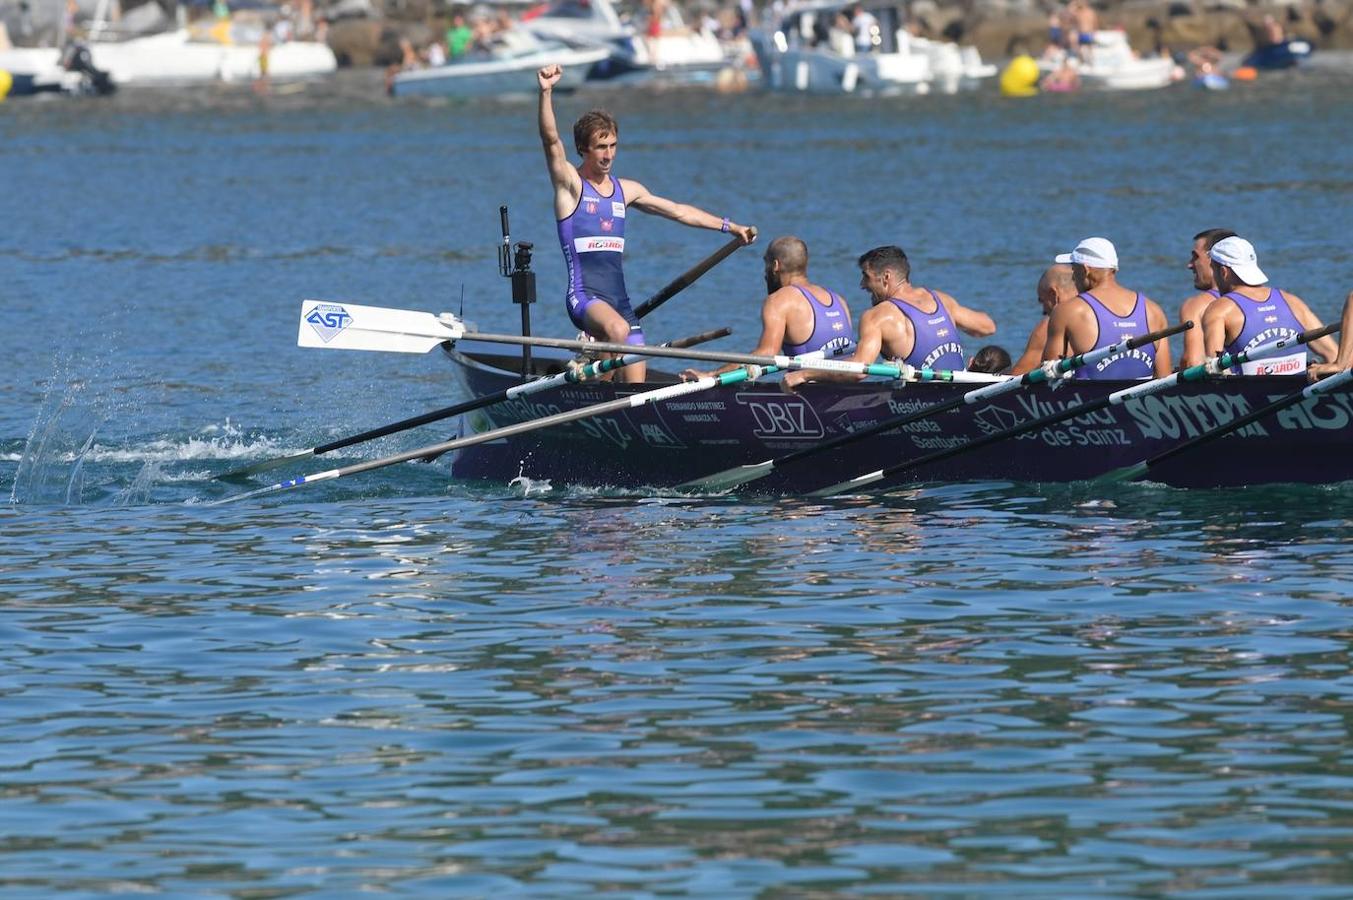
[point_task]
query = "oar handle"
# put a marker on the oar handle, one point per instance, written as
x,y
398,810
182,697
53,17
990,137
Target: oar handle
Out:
x,y
1157,335
686,279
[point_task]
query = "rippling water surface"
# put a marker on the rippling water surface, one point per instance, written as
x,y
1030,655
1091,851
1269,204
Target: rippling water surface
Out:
x,y
400,684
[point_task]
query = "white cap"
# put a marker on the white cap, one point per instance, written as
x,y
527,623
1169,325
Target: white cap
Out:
x,y
1238,255
1093,253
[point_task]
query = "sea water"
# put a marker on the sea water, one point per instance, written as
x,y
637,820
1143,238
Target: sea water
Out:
x,y
398,683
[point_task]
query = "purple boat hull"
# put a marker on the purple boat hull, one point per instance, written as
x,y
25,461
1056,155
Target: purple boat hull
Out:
x,y
665,444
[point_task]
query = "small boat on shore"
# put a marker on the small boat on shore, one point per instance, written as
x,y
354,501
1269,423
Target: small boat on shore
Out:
x,y
1112,65
666,444
813,49
506,67
672,53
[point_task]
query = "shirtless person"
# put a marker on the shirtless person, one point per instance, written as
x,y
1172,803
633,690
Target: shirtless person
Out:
x,y
797,316
1103,314
914,325
589,206
1056,286
1194,307
1248,313
1345,358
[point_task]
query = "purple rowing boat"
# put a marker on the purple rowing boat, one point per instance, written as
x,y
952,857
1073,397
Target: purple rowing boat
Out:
x,y
666,444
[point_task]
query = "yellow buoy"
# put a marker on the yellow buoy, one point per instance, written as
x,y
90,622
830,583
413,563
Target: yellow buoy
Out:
x,y
1020,78
6,82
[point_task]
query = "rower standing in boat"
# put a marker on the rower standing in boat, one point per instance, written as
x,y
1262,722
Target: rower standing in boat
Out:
x,y
1345,358
797,316
589,206
916,326
1056,286
1193,308
1248,313
1103,314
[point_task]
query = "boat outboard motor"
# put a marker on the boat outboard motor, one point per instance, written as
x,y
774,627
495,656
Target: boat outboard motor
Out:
x,y
76,58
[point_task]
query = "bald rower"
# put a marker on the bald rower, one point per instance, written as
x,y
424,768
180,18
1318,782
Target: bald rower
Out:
x,y
1055,287
797,316
1249,313
1104,313
914,325
1193,307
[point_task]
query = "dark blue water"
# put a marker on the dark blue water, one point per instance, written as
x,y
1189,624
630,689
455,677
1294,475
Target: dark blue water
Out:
x,y
398,683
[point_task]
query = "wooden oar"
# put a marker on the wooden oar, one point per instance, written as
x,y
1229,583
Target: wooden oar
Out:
x,y
1193,373
348,326
685,280
522,389
631,402
1137,470
729,478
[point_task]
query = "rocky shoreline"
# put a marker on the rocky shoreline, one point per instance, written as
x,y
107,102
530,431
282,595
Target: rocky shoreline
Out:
x,y
998,28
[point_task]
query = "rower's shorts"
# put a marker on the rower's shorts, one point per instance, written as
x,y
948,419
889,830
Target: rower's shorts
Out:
x,y
577,305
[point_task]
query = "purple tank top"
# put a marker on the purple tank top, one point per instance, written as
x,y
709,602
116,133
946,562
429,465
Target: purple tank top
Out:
x,y
1267,320
1138,363
936,345
832,331
593,240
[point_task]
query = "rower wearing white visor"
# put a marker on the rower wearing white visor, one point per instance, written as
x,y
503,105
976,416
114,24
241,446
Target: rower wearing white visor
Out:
x,y
1249,313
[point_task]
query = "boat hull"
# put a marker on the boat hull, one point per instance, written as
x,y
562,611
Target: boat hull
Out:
x,y
496,77
666,444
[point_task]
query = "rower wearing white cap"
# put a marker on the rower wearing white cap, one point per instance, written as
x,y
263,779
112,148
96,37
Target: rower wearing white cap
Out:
x,y
1192,309
1103,314
1248,313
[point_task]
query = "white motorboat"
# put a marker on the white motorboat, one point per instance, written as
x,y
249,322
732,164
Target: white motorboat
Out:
x,y
180,56
1111,65
29,71
675,53
506,67
814,50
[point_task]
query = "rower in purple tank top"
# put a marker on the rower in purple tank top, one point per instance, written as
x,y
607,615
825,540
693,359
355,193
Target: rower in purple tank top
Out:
x,y
912,324
797,317
1103,314
1249,313
1192,309
1112,328
589,207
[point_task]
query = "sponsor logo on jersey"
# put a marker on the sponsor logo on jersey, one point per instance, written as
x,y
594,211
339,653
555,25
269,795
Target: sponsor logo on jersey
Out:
x,y
590,206
607,224
599,244
617,209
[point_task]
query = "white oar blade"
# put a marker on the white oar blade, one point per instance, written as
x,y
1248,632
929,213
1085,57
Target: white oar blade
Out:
x,y
349,326
729,478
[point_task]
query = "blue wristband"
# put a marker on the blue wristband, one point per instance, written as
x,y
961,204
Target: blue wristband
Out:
x,y
724,226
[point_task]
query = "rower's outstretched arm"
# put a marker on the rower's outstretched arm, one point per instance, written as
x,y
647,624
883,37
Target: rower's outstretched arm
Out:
x,y
970,321
563,176
643,199
1325,347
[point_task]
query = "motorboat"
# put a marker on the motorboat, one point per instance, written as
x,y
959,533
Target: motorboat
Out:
x,y
1110,64
813,49
506,66
28,71
227,51
672,52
